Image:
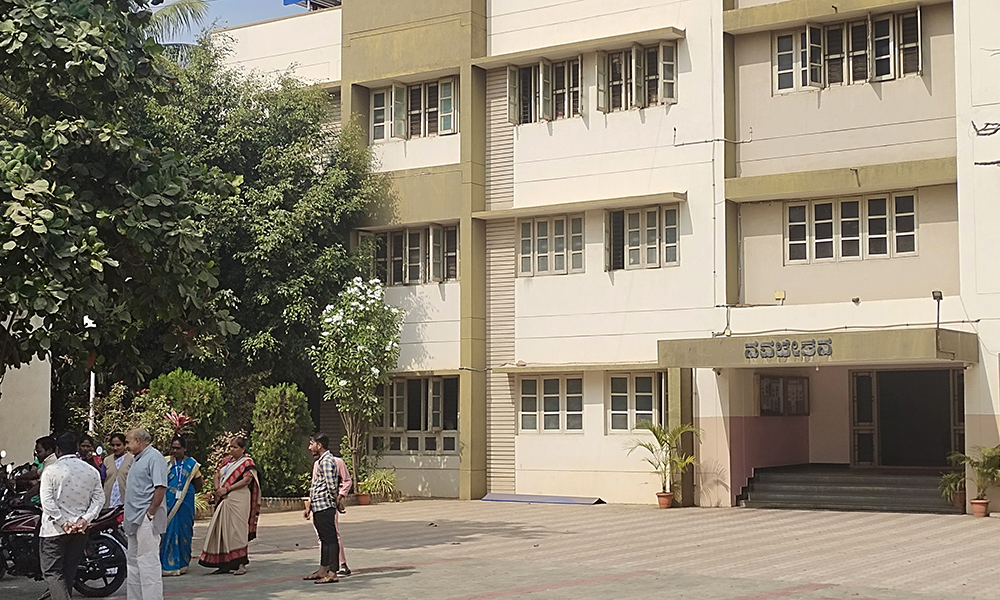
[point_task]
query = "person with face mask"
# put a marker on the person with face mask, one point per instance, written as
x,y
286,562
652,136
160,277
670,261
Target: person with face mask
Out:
x,y
117,465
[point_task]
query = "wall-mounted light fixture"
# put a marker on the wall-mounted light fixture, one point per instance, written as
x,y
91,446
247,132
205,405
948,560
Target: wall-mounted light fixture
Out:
x,y
938,297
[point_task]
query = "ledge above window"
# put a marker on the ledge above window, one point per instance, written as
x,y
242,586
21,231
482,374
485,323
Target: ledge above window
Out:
x,y
576,48
582,206
793,13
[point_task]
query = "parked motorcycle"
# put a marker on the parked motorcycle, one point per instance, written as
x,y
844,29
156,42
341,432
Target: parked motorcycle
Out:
x,y
103,568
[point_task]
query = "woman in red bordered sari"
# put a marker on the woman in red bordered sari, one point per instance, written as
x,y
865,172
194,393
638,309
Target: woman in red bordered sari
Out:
x,y
237,508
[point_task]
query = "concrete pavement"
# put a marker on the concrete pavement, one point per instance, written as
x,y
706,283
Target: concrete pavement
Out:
x,y
454,550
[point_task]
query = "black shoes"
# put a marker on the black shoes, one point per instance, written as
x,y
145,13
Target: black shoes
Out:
x,y
344,571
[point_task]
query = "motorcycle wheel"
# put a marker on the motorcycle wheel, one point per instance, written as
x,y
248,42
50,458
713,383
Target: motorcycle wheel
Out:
x,y
103,568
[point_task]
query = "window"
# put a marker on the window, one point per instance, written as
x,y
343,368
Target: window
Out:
x,y
551,246
544,91
637,77
551,404
778,396
415,255
419,110
851,228
641,238
634,397
420,414
876,49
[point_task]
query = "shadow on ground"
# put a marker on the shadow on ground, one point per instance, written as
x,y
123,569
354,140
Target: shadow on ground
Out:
x,y
402,535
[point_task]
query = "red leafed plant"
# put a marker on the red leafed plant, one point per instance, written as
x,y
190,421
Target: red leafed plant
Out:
x,y
181,422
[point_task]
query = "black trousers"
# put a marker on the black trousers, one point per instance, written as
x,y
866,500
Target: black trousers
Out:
x,y
60,556
326,527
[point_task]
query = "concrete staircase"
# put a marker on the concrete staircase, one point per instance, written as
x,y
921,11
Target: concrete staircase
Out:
x,y
838,487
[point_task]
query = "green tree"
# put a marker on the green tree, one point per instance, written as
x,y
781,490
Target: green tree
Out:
x,y
196,397
281,424
283,243
98,222
358,346
176,18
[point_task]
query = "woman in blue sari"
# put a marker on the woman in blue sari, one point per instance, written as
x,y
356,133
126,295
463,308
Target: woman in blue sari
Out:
x,y
183,480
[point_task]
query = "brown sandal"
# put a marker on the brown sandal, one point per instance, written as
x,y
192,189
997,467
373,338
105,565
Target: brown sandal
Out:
x,y
327,579
312,577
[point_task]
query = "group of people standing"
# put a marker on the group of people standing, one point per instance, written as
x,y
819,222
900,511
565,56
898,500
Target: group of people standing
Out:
x,y
157,497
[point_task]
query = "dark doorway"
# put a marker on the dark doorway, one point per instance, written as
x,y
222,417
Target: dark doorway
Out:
x,y
914,419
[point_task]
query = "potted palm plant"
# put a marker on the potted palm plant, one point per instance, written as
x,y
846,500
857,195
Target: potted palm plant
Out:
x,y
666,456
380,483
985,473
952,488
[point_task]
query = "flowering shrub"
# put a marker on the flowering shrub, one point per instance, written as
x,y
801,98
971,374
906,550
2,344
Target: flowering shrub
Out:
x,y
120,411
359,344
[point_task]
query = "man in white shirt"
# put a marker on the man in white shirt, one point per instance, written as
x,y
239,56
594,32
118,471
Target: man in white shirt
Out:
x,y
72,496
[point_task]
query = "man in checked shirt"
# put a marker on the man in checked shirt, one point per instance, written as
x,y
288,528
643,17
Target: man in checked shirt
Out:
x,y
330,483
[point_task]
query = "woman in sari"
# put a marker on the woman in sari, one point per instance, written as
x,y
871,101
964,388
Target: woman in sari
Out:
x,y
116,465
183,481
237,508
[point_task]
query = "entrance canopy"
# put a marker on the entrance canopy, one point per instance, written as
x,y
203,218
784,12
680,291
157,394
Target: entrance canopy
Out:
x,y
925,345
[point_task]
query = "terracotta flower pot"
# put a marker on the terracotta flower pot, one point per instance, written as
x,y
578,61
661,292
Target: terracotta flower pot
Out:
x,y
958,499
980,508
665,499
364,499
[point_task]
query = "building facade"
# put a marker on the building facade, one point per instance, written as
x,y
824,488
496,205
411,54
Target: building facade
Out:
x,y
741,215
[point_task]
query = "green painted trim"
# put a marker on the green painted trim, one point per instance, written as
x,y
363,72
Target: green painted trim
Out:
x,y
648,36
573,207
799,12
885,346
840,182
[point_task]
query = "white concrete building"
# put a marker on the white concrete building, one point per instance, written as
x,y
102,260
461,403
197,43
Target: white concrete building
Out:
x,y
727,214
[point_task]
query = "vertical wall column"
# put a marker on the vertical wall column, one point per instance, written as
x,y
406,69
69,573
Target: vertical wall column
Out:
x,y
472,274
680,411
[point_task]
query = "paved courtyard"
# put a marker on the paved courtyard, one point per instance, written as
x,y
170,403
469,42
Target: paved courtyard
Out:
x,y
453,550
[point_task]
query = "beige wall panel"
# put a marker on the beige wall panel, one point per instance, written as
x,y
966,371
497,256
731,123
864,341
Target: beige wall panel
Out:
x,y
424,195
934,268
425,476
713,483
401,37
24,404
499,143
500,411
830,416
910,118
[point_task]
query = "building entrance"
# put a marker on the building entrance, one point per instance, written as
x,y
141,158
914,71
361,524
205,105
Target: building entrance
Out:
x,y
906,418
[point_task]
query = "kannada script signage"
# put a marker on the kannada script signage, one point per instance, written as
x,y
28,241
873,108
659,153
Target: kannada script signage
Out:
x,y
787,348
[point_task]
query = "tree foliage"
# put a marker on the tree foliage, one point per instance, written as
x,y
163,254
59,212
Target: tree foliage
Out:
x,y
196,397
120,411
282,425
283,243
358,346
97,221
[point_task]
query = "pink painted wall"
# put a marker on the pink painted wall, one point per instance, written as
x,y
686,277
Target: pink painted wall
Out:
x,y
765,442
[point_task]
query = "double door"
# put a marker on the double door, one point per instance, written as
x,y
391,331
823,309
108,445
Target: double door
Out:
x,y
912,418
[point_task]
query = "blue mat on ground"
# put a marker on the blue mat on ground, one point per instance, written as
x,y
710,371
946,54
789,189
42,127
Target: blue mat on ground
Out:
x,y
538,499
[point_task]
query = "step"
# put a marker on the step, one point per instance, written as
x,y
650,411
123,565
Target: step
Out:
x,y
846,479
838,490
943,509
899,501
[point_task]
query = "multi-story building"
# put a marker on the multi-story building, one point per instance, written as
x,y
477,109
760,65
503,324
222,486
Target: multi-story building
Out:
x,y
743,215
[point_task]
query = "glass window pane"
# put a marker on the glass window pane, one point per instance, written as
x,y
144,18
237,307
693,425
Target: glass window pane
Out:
x,y
619,403
550,421
413,444
430,444
529,404
643,385
529,422
619,421
395,444
574,404
906,243
619,385
550,386
529,387
643,417
644,402
551,403
574,422
449,444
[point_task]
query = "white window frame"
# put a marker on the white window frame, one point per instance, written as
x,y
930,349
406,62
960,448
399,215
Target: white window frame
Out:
x,y
650,242
541,103
432,417
437,262
562,413
865,221
530,258
398,115
633,414
638,77
812,62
